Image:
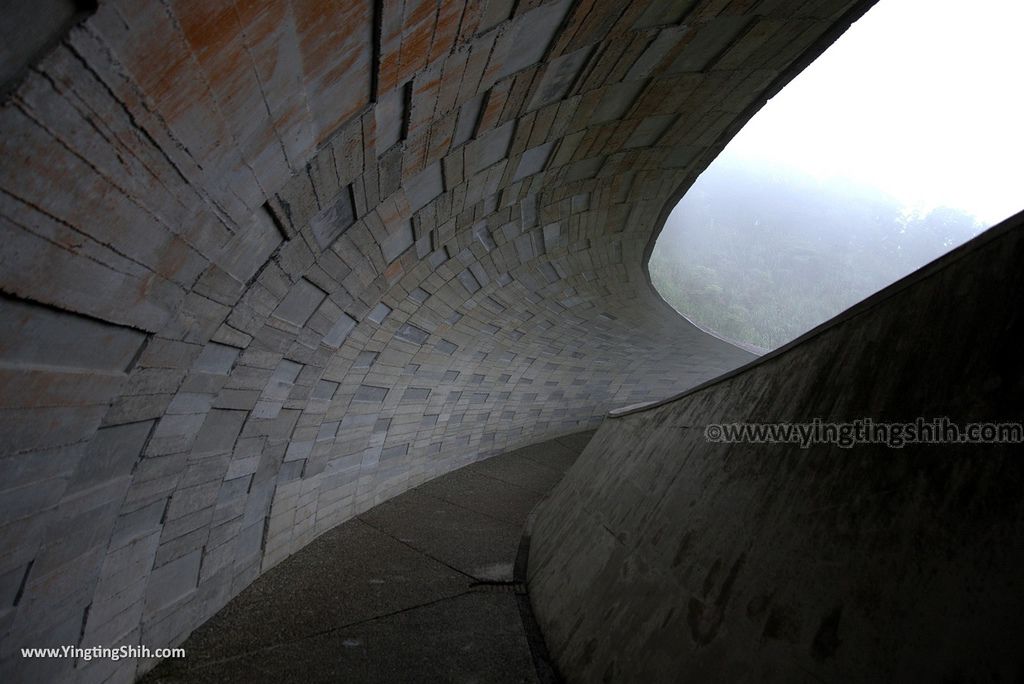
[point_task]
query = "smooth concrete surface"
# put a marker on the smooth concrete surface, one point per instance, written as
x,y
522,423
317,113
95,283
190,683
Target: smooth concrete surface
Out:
x,y
266,265
421,588
665,557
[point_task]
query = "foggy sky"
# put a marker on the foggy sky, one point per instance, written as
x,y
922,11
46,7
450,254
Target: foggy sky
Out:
x,y
921,98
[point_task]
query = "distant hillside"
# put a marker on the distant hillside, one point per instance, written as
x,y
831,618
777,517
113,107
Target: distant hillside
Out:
x,y
760,257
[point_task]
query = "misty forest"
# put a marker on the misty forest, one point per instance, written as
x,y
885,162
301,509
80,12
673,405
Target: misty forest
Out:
x,y
760,256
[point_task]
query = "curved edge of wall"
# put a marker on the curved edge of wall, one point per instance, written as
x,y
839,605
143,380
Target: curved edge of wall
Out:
x,y
664,555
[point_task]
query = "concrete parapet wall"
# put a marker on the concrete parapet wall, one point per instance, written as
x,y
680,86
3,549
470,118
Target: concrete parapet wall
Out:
x,y
663,556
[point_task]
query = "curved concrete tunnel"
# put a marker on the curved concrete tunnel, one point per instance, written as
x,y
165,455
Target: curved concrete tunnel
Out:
x,y
266,265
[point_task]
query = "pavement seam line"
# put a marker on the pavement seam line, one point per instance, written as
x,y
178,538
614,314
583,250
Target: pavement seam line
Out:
x,y
419,551
322,632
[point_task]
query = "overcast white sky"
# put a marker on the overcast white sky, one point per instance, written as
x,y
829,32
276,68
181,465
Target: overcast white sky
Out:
x,y
923,99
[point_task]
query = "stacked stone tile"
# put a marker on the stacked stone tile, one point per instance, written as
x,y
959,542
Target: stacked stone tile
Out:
x,y
265,265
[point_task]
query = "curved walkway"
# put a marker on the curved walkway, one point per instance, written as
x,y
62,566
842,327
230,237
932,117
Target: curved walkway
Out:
x,y
423,587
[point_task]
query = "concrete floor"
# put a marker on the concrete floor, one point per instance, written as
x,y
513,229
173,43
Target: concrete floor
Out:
x,y
425,587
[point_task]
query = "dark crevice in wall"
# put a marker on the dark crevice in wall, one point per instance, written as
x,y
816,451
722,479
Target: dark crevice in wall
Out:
x,y
145,442
377,25
475,129
202,561
312,185
351,194
163,515
24,581
687,11
740,35
406,110
266,528
278,220
513,9
576,86
138,355
81,628
632,105
15,297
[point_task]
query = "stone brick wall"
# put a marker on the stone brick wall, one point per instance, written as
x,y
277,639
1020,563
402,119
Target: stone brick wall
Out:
x,y
264,265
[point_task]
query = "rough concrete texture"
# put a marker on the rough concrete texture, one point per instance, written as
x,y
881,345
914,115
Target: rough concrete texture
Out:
x,y
422,588
665,557
241,202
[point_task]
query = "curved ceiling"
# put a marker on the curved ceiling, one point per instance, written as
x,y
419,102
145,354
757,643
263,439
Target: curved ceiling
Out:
x,y
267,264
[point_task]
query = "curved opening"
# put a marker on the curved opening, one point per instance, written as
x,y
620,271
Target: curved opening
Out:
x,y
896,145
